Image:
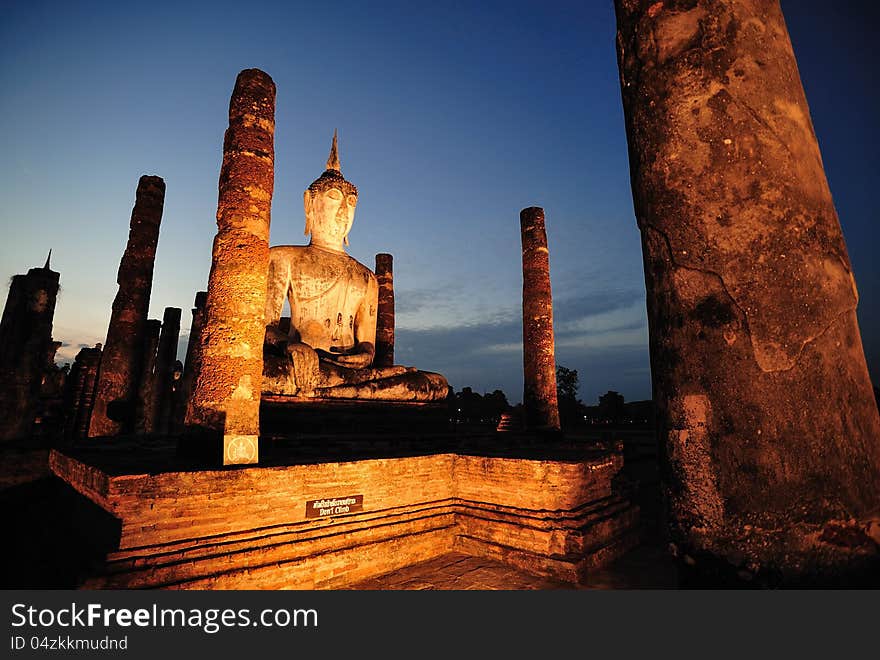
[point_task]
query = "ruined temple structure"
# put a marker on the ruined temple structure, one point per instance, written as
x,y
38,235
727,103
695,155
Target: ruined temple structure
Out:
x,y
539,354
120,371
342,506
27,351
766,411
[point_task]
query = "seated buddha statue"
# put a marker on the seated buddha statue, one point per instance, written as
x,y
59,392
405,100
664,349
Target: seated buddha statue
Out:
x,y
328,349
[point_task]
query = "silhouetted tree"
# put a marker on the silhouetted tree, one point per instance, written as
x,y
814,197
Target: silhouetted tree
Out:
x,y
468,407
612,406
571,410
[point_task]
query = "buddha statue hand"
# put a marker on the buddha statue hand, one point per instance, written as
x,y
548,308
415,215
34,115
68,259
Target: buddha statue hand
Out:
x,y
359,357
306,367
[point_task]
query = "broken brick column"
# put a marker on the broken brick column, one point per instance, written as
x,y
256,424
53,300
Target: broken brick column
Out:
x,y
192,361
765,407
146,401
539,354
385,312
26,348
226,397
166,356
80,393
119,376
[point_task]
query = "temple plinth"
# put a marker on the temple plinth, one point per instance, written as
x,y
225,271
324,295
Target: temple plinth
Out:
x,y
539,353
119,375
385,313
226,396
765,407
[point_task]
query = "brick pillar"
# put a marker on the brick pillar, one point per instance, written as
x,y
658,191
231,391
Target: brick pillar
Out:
x,y
146,402
385,313
83,381
765,406
166,356
192,361
539,361
226,396
119,376
25,344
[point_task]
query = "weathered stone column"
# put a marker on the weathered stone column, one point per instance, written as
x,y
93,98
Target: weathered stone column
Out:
x,y
83,380
145,411
166,356
765,406
227,392
192,361
385,313
539,354
25,348
119,376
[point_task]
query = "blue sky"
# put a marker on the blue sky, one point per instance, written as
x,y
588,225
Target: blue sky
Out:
x,y
451,119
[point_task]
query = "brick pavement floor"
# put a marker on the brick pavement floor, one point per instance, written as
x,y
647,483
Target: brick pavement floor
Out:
x,y
646,567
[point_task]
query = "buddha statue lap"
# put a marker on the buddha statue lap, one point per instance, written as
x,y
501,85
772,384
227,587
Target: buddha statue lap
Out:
x,y
328,350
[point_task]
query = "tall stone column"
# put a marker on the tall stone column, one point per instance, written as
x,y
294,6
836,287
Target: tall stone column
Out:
x,y
146,401
385,313
539,353
166,356
766,411
226,398
25,348
119,376
192,361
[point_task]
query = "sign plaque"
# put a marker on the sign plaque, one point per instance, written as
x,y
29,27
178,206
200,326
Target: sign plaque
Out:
x,y
334,506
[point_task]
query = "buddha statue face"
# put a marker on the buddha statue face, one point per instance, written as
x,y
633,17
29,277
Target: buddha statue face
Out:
x,y
329,205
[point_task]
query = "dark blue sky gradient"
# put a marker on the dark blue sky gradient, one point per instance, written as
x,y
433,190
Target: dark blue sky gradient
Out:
x,y
451,119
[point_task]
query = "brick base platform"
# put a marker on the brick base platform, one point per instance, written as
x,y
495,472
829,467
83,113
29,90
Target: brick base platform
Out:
x,y
272,527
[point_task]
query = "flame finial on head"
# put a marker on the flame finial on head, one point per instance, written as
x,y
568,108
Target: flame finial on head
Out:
x,y
333,158
332,176
48,259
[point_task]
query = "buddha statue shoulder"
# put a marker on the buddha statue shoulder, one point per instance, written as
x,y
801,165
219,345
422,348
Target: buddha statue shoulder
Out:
x,y
328,349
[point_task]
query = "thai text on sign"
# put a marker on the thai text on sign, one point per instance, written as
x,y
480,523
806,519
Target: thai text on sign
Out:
x,y
335,506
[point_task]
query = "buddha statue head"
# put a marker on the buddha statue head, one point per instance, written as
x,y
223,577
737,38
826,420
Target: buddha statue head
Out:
x,y
329,206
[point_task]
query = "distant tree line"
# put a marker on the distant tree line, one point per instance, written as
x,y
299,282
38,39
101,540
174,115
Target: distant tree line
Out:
x,y
472,409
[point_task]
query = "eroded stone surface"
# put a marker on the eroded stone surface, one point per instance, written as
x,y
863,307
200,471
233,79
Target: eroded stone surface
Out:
x,y
539,361
232,338
121,361
765,404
